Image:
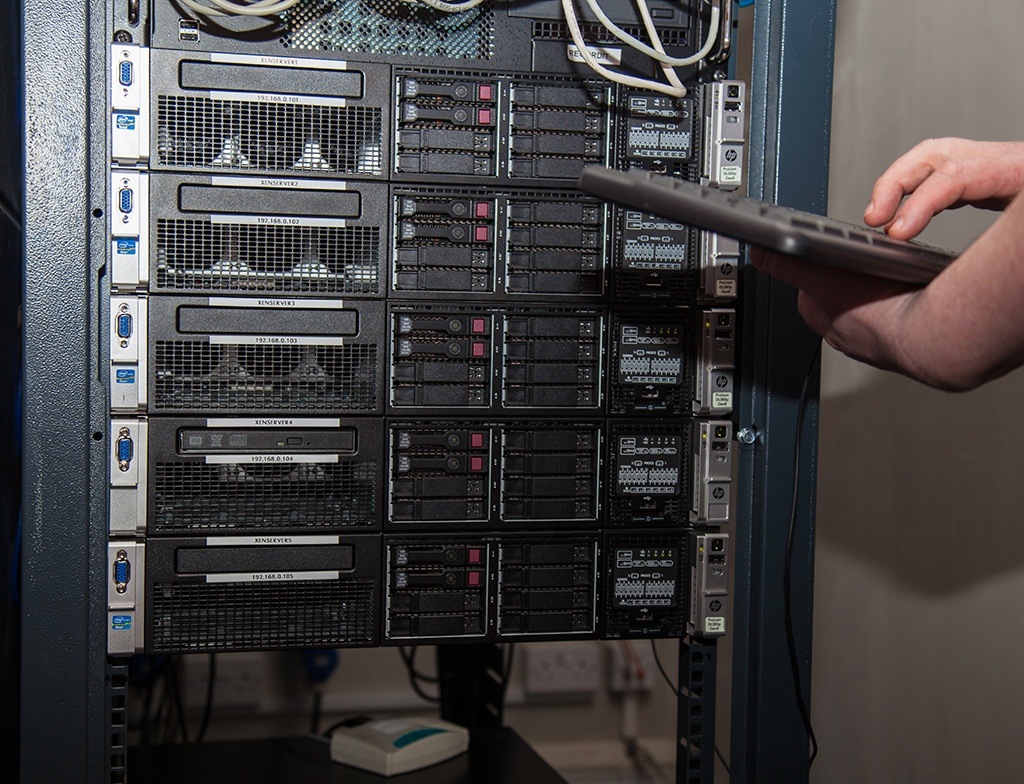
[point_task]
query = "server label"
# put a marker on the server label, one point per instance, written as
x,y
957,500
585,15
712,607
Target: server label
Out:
x,y
714,624
721,400
268,577
602,54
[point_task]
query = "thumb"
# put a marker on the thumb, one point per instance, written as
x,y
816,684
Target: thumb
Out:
x,y
769,262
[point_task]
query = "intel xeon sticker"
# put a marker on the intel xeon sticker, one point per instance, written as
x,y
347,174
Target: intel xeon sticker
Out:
x,y
121,623
127,247
125,376
125,122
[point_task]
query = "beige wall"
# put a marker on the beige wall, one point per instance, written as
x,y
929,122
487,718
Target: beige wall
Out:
x,y
919,597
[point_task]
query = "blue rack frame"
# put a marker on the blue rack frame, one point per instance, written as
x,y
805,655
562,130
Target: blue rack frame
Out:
x,y
66,687
791,109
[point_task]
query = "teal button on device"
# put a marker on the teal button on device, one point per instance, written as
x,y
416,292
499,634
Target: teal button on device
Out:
x,y
415,735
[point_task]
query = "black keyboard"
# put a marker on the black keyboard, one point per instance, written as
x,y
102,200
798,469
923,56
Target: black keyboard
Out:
x,y
811,237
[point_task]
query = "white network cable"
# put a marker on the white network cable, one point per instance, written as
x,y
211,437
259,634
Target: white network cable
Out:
x,y
235,8
657,54
652,31
674,87
451,8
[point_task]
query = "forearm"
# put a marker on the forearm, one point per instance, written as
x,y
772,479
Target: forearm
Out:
x,y
967,326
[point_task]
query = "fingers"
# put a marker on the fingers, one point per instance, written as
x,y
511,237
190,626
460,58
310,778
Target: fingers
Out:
x,y
942,173
771,263
796,273
939,191
904,175
854,313
914,171
832,289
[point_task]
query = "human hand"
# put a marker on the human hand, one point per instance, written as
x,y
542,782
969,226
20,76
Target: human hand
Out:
x,y
960,331
942,173
859,315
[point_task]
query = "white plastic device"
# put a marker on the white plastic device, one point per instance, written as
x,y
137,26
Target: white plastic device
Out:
x,y
392,746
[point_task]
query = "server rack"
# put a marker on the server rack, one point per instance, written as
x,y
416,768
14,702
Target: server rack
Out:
x,y
61,354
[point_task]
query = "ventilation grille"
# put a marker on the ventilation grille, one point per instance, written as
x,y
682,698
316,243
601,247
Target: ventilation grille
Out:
x,y
232,497
630,286
200,376
195,132
671,624
637,285
212,616
559,31
390,27
623,509
663,622
630,397
196,255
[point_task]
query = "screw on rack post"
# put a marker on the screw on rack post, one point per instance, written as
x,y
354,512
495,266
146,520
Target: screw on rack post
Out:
x,y
748,435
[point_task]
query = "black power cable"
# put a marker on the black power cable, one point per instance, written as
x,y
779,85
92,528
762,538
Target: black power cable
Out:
x,y
177,704
208,703
647,769
11,215
506,674
801,410
415,676
314,721
351,721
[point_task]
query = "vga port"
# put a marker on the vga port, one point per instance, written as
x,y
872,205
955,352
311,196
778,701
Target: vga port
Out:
x,y
125,449
125,199
122,572
124,325
126,73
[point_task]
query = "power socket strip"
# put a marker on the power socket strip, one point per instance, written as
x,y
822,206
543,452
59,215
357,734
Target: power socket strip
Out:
x,y
239,682
568,668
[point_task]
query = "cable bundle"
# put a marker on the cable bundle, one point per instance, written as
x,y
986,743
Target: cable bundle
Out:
x,y
672,85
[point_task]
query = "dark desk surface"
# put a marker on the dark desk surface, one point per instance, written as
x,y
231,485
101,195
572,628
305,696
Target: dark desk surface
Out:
x,y
499,757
